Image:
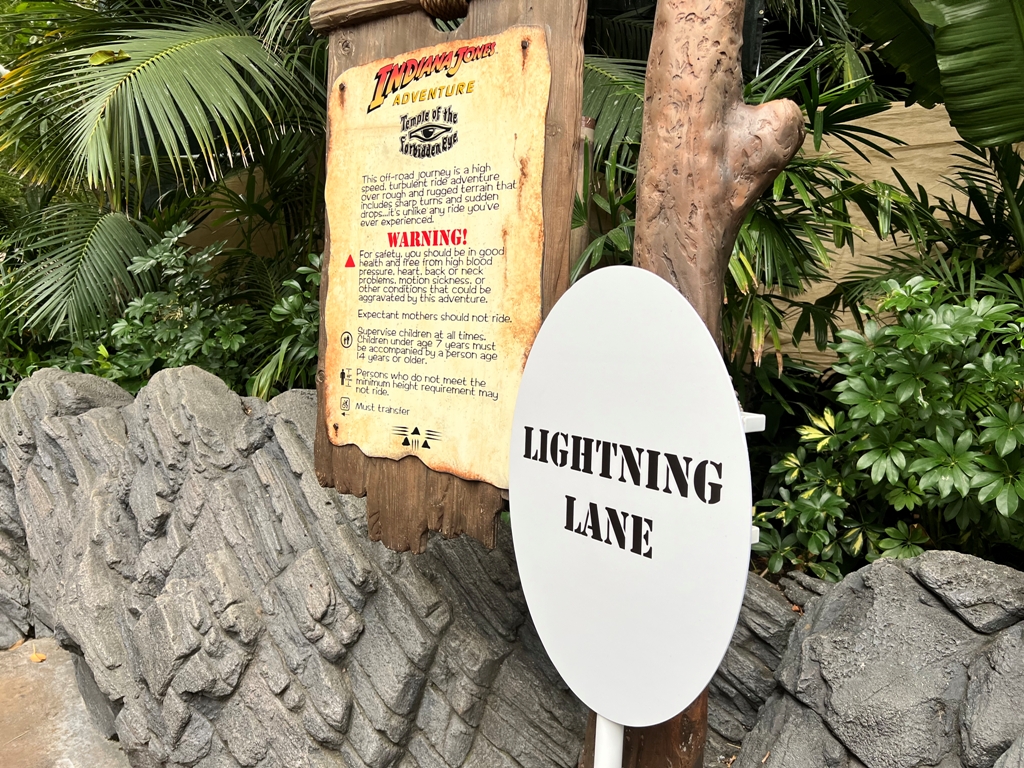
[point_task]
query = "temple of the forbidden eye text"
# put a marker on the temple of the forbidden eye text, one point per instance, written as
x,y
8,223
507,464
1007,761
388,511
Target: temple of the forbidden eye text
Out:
x,y
656,470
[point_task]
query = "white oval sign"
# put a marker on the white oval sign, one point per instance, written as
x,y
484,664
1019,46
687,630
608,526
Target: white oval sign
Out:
x,y
630,496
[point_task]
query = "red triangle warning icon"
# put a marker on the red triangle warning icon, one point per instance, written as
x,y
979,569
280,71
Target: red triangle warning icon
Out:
x,y
350,263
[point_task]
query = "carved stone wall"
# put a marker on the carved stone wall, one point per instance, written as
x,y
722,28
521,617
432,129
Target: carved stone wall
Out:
x,y
228,611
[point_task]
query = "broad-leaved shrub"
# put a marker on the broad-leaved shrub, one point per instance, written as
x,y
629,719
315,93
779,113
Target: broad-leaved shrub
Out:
x,y
929,450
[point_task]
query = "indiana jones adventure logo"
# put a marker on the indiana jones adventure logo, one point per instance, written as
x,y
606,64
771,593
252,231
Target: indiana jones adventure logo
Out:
x,y
395,77
429,133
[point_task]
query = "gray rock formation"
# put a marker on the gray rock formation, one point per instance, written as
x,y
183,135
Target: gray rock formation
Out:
x,y
746,678
792,735
903,664
987,596
234,612
228,611
1013,757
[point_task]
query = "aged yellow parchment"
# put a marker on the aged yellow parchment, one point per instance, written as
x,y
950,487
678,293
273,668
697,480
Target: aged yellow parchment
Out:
x,y
434,204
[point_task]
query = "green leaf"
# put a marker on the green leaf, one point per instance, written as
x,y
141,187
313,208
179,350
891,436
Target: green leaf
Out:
x,y
77,273
613,95
980,50
108,57
192,95
870,458
623,35
855,541
1007,500
905,497
904,40
620,239
991,491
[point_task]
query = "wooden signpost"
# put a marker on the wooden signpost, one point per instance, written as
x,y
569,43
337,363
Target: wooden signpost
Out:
x,y
451,173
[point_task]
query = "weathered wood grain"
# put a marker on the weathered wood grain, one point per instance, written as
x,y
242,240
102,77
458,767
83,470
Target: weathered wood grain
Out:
x,y
326,15
405,500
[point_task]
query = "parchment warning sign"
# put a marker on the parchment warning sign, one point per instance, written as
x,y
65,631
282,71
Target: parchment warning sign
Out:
x,y
437,236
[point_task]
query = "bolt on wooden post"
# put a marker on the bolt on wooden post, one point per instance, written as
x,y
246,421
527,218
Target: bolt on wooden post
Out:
x,y
452,165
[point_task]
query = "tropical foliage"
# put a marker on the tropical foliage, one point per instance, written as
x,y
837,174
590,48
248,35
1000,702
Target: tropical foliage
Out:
x,y
904,448
918,447
195,319
926,444
966,53
784,245
127,119
976,234
161,194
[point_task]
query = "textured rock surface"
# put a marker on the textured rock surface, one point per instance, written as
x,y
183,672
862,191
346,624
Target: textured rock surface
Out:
x,y
987,596
884,664
234,612
789,735
994,715
746,678
1013,757
44,723
228,611
901,665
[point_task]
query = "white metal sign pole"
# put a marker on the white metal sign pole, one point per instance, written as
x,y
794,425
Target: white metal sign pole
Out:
x,y
608,744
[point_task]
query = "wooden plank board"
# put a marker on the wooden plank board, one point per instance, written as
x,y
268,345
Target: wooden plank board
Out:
x,y
405,499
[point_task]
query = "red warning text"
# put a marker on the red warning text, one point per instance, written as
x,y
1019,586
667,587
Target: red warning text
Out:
x,y
428,238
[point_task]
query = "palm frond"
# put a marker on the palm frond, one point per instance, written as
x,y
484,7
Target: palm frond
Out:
x,y
258,280
192,94
284,28
74,274
627,36
282,22
830,112
284,366
813,16
783,76
980,50
903,39
613,95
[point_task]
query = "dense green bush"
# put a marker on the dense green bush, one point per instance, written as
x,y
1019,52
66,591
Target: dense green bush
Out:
x,y
190,319
929,450
194,315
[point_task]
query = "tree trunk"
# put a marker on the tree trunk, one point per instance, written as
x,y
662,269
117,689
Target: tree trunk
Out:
x,y
705,159
678,743
706,156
